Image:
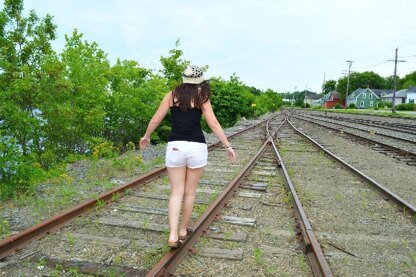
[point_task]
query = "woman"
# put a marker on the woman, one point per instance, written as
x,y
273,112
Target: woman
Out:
x,y
186,152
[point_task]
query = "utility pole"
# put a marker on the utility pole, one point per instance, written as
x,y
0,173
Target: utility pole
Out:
x,y
323,84
393,106
348,81
293,96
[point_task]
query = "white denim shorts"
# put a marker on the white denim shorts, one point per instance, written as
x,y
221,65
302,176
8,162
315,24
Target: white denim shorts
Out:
x,y
191,154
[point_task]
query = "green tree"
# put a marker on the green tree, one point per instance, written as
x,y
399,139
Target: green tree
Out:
x,y
230,100
135,96
408,80
268,101
329,86
389,82
16,171
24,44
366,79
173,66
82,105
254,90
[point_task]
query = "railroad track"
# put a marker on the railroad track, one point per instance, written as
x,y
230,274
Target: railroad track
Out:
x,y
403,149
402,125
127,236
398,133
399,127
74,240
392,170
247,218
360,232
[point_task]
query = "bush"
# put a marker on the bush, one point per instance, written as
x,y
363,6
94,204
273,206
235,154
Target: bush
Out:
x,y
102,148
384,104
388,104
161,134
17,172
351,106
406,107
338,106
307,105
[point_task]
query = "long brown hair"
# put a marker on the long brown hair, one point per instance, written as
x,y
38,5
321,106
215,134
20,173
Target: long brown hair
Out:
x,y
191,95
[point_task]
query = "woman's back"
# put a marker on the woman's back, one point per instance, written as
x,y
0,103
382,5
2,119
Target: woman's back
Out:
x,y
186,125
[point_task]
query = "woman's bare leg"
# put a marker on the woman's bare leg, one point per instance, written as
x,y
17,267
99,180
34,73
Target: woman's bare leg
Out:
x,y
177,177
191,183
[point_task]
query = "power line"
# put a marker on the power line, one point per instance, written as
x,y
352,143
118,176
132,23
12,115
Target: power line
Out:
x,y
410,56
406,71
383,62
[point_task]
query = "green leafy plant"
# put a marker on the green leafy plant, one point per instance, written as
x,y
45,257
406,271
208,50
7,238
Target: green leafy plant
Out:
x,y
4,229
271,271
128,191
145,223
153,255
102,148
199,209
258,255
70,238
116,196
303,263
99,205
118,259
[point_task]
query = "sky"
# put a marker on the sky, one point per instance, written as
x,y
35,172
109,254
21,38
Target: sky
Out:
x,y
284,45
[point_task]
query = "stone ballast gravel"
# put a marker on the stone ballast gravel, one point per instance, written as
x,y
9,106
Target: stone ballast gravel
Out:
x,y
377,237
395,175
370,132
271,248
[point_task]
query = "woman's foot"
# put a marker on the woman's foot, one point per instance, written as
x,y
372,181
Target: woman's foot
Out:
x,y
187,232
175,244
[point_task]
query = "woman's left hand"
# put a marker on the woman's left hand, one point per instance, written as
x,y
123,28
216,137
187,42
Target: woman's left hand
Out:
x,y
231,155
144,141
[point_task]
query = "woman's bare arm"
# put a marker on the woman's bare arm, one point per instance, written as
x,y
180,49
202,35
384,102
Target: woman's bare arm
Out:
x,y
156,119
216,128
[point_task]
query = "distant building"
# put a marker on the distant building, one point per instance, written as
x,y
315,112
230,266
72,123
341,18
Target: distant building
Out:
x,y
399,98
330,100
288,100
381,92
411,95
310,98
365,98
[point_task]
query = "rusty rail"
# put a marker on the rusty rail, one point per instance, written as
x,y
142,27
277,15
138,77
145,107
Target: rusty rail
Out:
x,y
311,246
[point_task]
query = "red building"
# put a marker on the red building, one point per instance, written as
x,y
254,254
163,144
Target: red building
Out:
x,y
331,99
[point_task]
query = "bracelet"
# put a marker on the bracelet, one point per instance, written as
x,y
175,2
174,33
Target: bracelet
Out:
x,y
228,147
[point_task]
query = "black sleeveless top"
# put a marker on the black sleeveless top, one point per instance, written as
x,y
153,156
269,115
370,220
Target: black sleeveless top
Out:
x,y
186,126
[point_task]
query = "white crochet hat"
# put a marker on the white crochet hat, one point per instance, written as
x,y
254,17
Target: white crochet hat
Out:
x,y
193,75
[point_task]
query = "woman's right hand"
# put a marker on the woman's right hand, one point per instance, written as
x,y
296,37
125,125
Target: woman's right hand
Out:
x,y
231,155
144,141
